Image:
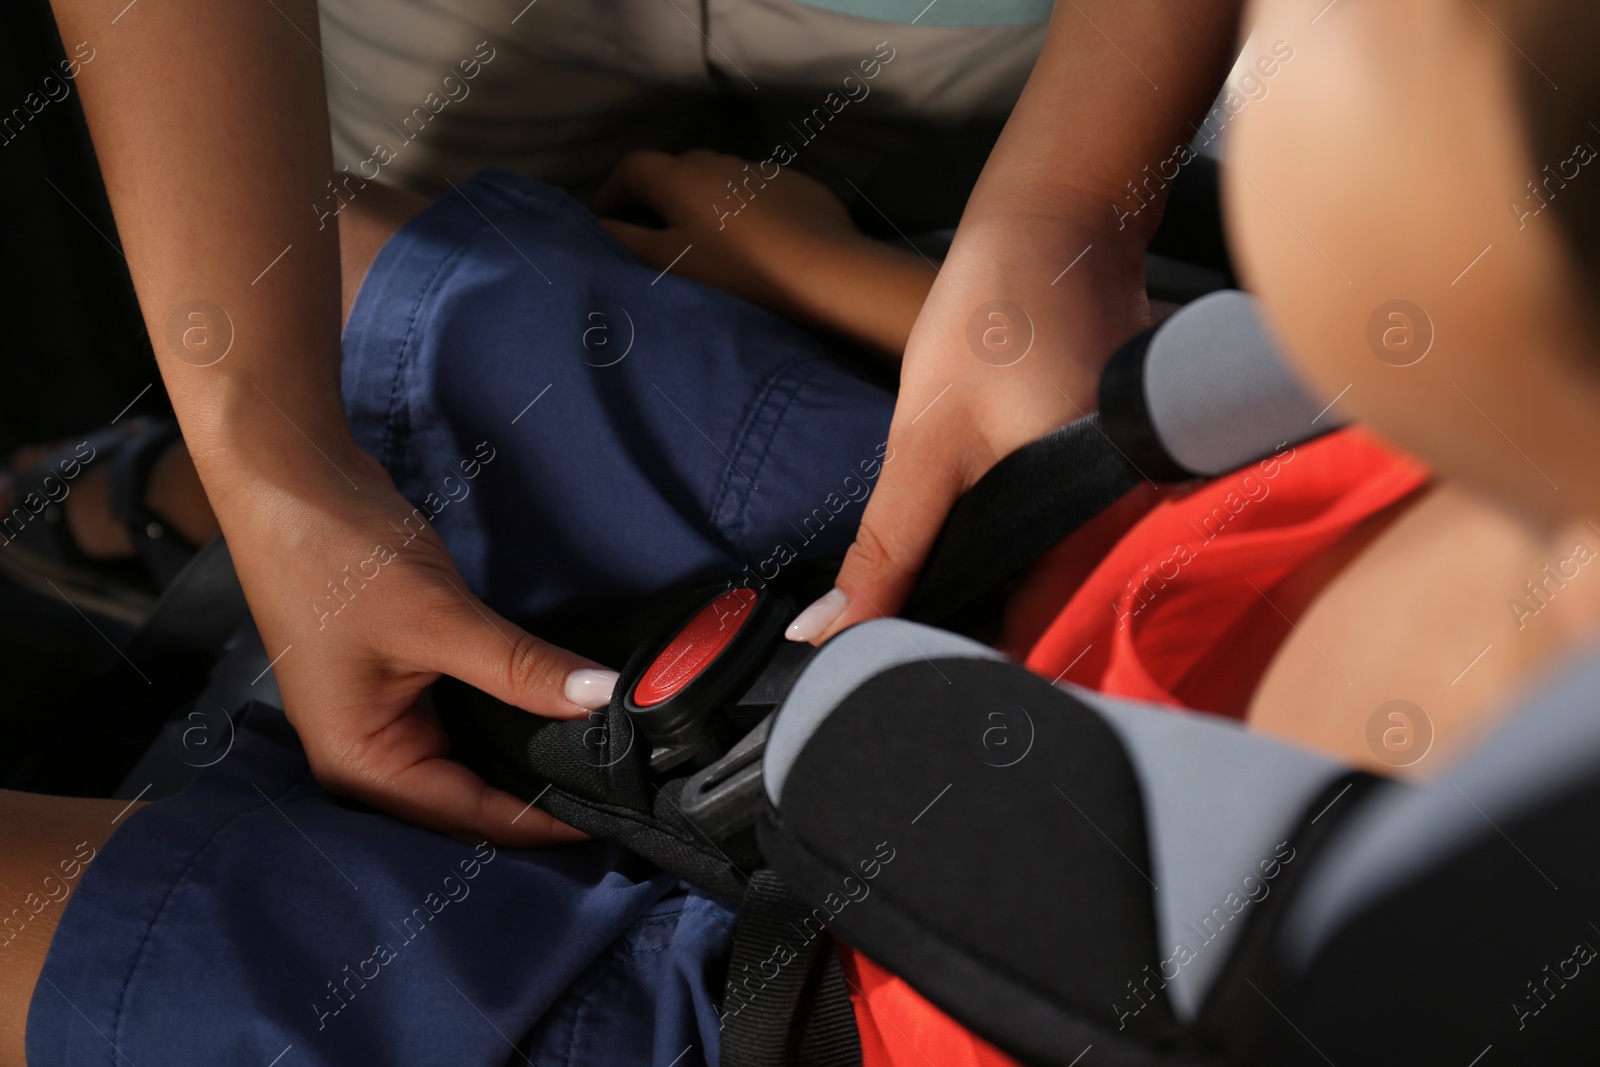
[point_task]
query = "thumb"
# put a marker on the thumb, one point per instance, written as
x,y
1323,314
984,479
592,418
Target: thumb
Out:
x,y
475,645
898,527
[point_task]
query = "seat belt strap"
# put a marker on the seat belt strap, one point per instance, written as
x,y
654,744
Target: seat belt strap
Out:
x,y
786,1002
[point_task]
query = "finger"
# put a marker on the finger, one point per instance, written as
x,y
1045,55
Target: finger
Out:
x,y
472,643
654,179
898,527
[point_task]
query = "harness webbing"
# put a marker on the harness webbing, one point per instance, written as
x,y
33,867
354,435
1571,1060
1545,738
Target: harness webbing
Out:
x,y
786,1002
1024,506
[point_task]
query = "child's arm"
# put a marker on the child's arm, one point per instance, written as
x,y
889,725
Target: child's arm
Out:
x,y
781,240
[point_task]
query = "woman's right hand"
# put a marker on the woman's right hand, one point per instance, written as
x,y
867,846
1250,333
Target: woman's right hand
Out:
x,y
354,668
210,124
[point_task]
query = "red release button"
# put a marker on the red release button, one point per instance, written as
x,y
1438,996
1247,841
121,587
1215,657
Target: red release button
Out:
x,y
693,648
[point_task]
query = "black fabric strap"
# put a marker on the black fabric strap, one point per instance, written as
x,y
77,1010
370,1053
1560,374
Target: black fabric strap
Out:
x,y
1024,506
198,610
1125,412
829,1037
786,1003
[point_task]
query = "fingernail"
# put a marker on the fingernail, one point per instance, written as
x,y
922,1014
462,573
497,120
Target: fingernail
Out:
x,y
810,623
591,688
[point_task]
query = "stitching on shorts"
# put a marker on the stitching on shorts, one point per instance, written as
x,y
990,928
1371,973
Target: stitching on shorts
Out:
x,y
767,404
144,939
778,416
746,426
391,423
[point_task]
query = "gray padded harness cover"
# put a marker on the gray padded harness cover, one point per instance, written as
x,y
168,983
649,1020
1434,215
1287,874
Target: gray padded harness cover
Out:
x,y
1218,392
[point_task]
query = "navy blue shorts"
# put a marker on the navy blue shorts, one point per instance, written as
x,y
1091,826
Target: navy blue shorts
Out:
x,y
584,432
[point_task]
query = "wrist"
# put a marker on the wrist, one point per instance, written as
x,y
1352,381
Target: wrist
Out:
x,y
1033,238
246,438
288,531
1124,212
1082,296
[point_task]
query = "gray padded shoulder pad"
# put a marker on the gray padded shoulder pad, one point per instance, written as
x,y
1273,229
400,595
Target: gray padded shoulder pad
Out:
x,y
1219,393
846,661
1550,745
1221,804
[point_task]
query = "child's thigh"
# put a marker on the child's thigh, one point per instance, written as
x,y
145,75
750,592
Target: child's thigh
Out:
x,y
253,911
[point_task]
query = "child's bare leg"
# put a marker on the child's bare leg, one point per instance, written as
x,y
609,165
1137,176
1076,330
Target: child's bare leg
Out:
x,y
43,845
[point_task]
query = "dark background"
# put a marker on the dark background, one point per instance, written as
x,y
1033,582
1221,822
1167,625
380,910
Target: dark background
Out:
x,y
75,350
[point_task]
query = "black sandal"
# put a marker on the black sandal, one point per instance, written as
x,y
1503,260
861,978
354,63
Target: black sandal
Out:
x,y
37,549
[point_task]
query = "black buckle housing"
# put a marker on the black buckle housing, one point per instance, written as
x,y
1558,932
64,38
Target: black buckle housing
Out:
x,y
717,720
702,716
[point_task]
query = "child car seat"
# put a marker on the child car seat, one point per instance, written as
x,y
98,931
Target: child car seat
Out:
x,y
1055,869
674,768
1064,872
1170,888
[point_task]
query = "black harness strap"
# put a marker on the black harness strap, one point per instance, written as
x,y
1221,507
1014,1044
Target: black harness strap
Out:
x,y
1023,507
830,1037
786,1002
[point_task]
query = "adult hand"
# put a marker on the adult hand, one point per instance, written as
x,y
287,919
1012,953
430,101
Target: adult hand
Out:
x,y
238,277
1006,349
364,609
1045,277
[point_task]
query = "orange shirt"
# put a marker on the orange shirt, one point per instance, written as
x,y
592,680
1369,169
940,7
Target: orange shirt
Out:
x,y
1193,575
